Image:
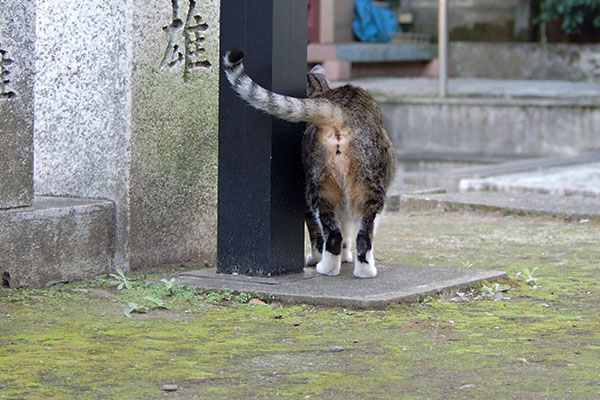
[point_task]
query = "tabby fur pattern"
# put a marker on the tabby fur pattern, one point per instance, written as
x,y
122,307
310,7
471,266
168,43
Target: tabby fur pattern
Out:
x,y
348,159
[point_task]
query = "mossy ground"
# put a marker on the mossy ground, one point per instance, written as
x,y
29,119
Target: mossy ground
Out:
x,y
74,341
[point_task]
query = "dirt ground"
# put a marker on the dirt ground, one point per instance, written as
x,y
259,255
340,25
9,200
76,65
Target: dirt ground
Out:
x,y
535,336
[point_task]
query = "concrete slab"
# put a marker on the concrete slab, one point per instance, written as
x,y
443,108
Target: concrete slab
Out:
x,y
385,52
580,180
56,239
402,88
370,52
525,127
394,284
448,173
570,207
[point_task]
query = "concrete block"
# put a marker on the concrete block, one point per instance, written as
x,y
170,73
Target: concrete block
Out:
x,y
383,52
571,208
528,127
17,58
145,137
56,239
465,171
393,284
580,180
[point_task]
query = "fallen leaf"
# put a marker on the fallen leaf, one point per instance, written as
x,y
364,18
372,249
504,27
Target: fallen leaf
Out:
x,y
257,301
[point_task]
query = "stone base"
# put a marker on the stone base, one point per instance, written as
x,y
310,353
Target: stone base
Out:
x,y
581,180
469,171
56,239
573,208
393,284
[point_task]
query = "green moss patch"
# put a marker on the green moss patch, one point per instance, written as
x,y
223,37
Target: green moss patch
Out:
x,y
541,341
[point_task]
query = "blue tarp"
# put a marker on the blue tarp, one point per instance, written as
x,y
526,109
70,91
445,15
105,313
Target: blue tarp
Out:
x,y
372,23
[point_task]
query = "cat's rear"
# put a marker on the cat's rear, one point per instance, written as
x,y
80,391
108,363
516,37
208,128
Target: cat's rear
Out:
x,y
348,159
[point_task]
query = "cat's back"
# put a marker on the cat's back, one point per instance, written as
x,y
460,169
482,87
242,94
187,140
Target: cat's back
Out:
x,y
355,101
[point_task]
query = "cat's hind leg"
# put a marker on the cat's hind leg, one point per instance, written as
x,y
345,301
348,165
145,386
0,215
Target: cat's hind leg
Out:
x,y
364,266
316,239
331,262
324,198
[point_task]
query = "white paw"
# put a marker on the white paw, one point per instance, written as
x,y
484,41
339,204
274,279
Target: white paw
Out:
x,y
367,269
330,264
314,257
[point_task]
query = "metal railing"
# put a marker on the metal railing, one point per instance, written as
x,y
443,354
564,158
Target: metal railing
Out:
x,y
443,48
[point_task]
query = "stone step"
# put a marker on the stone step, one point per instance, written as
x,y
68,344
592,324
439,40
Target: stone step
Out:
x,y
575,180
56,239
454,157
573,208
448,172
529,118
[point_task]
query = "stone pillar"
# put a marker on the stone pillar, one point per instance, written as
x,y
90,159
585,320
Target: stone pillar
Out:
x,y
17,59
126,110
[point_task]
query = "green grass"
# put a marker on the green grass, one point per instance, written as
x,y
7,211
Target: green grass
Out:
x,y
541,341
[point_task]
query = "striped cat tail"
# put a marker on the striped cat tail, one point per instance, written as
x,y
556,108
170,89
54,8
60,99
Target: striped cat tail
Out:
x,y
314,111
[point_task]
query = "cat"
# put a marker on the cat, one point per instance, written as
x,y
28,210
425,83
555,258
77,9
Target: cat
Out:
x,y
348,159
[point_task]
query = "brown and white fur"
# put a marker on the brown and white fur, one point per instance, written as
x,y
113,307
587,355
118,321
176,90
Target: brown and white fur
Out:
x,y
348,161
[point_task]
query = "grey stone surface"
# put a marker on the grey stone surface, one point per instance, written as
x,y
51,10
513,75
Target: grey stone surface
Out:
x,y
529,118
17,58
551,61
56,239
580,180
384,52
452,176
530,129
126,110
484,91
393,284
528,164
569,207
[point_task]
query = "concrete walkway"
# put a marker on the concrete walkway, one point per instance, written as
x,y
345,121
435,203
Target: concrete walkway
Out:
x,y
581,180
571,192
489,88
571,208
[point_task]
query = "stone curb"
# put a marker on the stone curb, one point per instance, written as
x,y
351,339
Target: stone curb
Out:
x,y
532,204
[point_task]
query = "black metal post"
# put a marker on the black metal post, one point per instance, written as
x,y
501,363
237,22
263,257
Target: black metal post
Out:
x,y
261,206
